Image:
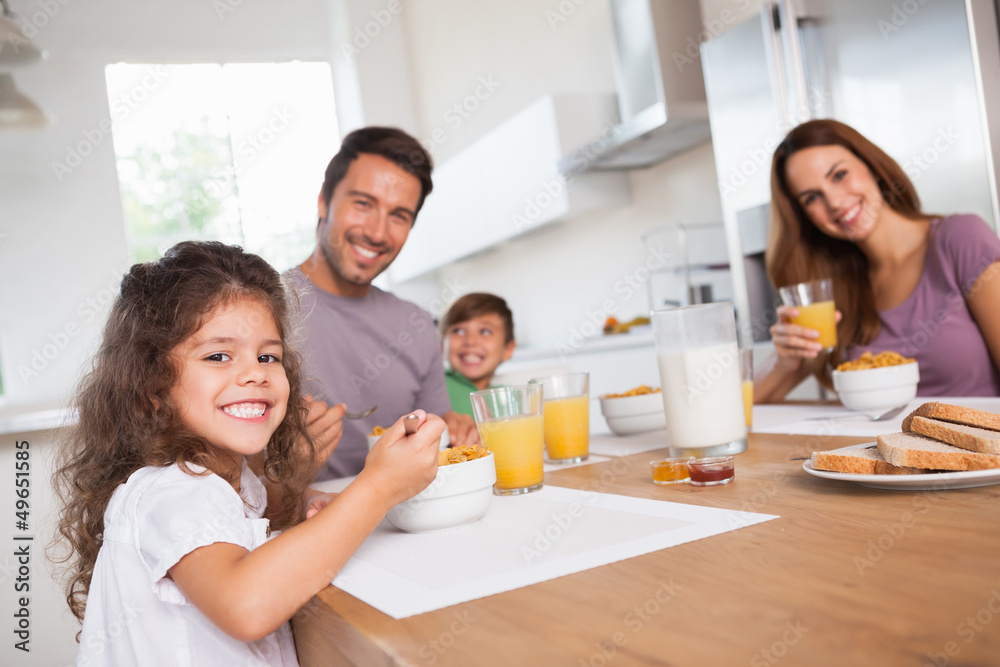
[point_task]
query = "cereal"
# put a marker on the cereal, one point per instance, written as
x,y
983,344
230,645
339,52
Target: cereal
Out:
x,y
461,454
880,360
377,430
638,391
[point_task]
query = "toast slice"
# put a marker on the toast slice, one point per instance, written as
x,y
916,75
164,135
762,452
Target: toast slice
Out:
x,y
973,438
955,414
860,461
918,451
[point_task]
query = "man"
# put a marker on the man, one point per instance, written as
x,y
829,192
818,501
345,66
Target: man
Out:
x,y
363,346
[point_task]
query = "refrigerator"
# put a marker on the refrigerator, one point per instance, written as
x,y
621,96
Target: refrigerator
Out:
x,y
920,78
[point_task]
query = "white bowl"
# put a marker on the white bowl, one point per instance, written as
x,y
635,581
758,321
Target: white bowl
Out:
x,y
875,390
372,439
627,415
460,494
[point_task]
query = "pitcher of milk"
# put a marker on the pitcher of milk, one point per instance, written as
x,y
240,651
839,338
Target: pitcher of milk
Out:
x,y
699,362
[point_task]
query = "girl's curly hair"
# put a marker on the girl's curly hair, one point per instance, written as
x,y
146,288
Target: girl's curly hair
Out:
x,y
126,420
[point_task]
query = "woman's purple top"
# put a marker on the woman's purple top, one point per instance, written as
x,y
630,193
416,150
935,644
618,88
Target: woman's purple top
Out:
x,y
934,324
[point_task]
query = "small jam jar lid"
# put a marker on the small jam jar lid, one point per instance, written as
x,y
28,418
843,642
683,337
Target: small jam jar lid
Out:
x,y
719,462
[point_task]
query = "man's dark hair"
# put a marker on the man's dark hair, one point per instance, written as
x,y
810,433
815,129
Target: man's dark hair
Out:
x,y
388,142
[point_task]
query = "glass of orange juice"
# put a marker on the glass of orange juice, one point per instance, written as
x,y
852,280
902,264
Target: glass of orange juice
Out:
x,y
746,373
566,416
510,426
814,301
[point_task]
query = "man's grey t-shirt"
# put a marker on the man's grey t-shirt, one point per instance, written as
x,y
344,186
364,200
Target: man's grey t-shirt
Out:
x,y
373,350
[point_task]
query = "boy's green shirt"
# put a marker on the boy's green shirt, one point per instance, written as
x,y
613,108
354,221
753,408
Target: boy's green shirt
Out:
x,y
459,387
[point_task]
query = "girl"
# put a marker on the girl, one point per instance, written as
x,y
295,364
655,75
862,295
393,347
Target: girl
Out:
x,y
922,285
165,522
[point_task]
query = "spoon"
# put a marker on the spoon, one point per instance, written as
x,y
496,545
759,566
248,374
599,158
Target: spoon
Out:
x,y
880,417
410,424
360,415
889,414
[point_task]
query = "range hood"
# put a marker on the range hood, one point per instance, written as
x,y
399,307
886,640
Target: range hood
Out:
x,y
661,92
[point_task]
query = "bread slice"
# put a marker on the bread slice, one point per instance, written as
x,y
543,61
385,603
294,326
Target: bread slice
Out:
x,y
967,437
858,460
910,449
955,414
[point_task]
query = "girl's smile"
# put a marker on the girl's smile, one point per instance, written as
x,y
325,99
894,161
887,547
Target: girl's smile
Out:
x,y
248,410
232,389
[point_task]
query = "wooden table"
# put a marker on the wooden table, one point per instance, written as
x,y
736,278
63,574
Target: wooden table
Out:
x,y
847,576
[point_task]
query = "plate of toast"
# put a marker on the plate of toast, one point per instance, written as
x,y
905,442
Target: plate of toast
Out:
x,y
941,446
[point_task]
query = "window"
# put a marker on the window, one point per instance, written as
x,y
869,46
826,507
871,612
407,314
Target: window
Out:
x,y
233,153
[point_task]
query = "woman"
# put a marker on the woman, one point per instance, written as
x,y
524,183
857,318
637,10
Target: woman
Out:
x,y
922,285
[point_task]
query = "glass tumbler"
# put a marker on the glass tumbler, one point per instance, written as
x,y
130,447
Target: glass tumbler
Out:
x,y
699,362
510,426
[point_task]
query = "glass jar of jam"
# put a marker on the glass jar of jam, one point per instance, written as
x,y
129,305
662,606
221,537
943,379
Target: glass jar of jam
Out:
x,y
712,471
671,471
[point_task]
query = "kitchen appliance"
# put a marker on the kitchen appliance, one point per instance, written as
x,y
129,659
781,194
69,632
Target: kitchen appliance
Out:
x,y
661,92
921,79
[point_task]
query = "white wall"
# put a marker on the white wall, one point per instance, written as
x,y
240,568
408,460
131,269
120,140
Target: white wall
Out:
x,y
62,243
558,278
563,276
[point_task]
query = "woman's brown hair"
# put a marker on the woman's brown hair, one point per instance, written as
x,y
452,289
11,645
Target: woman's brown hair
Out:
x,y
125,417
798,251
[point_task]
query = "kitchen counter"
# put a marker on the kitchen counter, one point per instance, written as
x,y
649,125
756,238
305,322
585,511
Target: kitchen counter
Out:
x,y
41,420
602,343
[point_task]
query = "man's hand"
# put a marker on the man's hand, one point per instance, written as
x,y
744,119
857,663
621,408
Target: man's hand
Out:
x,y
461,429
317,500
325,426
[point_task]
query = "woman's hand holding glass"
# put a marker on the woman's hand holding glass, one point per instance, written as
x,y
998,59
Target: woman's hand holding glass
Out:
x,y
795,344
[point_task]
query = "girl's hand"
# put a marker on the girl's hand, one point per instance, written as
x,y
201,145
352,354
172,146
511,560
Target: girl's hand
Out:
x,y
794,344
400,465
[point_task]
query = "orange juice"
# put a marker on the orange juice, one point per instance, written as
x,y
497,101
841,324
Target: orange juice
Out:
x,y
748,401
517,446
567,428
820,316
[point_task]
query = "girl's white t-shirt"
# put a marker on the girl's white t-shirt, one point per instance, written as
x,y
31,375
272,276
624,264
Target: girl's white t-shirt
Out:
x,y
135,613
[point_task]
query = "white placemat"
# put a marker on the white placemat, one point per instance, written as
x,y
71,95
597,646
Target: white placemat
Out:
x,y
522,540
593,458
624,445
838,420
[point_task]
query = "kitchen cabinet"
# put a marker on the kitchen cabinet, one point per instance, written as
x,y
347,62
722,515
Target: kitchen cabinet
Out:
x,y
508,183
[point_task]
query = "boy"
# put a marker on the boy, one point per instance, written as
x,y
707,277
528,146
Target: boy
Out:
x,y
478,331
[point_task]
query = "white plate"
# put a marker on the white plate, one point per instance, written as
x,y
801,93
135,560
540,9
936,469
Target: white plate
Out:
x,y
932,481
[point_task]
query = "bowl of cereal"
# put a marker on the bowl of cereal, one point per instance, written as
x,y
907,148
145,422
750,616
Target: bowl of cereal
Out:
x,y
460,493
635,411
875,383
